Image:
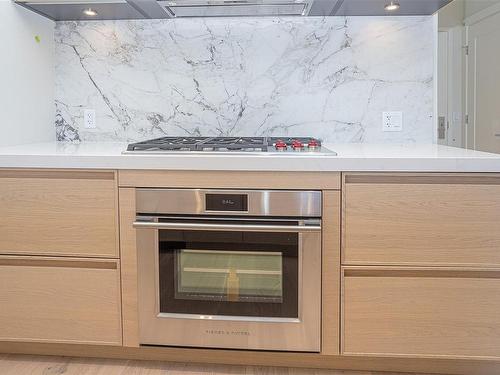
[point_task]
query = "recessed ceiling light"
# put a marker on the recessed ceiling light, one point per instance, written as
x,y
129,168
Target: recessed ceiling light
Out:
x,y
90,12
392,6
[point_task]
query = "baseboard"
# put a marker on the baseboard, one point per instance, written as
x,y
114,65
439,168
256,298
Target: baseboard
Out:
x,y
244,357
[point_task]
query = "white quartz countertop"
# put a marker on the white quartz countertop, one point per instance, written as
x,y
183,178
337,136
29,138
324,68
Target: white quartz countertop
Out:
x,y
351,157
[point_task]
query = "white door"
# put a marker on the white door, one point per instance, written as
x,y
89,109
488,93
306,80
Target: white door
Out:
x,y
450,92
483,83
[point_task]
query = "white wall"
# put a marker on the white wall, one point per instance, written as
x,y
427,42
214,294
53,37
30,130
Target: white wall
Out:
x,y
474,6
26,76
452,14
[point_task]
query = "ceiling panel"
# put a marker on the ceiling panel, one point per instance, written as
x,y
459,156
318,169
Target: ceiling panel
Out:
x,y
376,7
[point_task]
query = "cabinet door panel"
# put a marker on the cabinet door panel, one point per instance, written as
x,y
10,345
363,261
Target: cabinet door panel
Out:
x,y
422,220
429,312
58,213
60,300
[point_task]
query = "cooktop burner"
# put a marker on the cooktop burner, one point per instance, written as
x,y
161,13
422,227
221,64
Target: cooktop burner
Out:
x,y
230,144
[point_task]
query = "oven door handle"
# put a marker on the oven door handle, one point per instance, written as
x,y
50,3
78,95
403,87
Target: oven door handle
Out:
x,y
228,227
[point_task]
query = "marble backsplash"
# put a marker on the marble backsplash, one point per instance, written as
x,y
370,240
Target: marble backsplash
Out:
x,y
327,77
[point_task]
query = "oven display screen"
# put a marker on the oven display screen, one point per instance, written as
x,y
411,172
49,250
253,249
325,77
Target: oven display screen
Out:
x,y
226,202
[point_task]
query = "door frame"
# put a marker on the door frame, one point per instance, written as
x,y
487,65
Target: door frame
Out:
x,y
442,95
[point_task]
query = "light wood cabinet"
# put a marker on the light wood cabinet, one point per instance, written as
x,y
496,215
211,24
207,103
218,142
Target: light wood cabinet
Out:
x,y
421,219
421,312
230,179
70,213
330,272
65,300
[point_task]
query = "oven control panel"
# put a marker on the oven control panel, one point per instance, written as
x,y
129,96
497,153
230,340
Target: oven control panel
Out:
x,y
226,202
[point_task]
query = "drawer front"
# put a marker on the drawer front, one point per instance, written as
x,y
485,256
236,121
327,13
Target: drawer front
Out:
x,y
58,213
421,313
422,220
60,300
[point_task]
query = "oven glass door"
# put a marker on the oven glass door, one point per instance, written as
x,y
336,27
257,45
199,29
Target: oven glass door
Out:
x,y
228,273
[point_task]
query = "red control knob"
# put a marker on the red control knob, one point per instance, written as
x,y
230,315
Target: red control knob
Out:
x,y
280,145
297,145
313,143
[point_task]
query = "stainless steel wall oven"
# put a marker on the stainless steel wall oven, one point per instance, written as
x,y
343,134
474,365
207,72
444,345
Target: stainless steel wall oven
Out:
x,y
229,268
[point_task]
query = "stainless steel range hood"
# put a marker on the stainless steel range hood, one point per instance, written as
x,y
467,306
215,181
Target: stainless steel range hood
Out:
x,y
69,10
234,8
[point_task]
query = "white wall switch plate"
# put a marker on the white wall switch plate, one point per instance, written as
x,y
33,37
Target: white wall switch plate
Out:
x,y
392,121
89,119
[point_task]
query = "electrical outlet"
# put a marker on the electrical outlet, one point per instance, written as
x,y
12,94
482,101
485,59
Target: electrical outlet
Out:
x,y
89,119
392,121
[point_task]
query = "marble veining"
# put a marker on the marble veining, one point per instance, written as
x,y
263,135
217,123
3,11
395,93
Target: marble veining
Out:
x,y
327,77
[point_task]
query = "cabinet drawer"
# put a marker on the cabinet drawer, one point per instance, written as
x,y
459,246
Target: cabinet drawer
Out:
x,y
60,300
422,220
421,312
69,213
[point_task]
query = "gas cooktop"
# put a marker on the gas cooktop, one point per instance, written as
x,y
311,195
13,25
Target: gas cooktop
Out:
x,y
304,145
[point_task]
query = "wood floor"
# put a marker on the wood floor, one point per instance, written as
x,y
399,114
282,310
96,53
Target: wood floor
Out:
x,y
38,365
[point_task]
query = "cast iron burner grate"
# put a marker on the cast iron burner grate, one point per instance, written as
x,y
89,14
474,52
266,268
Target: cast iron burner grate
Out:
x,y
222,144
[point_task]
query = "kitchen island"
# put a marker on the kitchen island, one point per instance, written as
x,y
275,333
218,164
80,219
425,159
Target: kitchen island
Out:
x,y
410,239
